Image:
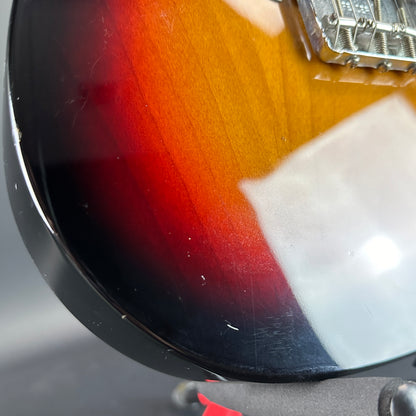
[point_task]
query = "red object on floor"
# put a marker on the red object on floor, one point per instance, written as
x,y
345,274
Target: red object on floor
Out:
x,y
214,409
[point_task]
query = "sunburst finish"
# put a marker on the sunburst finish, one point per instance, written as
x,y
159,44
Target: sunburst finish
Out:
x,y
140,121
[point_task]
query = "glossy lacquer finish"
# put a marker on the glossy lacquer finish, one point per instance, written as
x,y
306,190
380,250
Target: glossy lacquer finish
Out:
x,y
244,204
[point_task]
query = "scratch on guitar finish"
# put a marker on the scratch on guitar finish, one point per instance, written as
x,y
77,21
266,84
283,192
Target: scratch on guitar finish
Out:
x,y
234,328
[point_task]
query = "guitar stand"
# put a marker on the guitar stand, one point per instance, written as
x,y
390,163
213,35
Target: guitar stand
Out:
x,y
372,396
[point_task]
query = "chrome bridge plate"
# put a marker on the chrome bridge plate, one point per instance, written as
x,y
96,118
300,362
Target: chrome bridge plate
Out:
x,y
367,33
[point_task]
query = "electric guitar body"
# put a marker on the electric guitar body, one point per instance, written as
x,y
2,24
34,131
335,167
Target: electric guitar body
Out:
x,y
208,195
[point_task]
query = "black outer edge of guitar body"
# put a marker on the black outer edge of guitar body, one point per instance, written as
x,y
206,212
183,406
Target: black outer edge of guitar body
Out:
x,y
66,279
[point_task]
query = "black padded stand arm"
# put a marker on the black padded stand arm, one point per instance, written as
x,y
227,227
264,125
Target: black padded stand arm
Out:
x,y
371,396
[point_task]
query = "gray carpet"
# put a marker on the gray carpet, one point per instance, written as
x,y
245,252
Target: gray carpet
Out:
x,y
85,378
